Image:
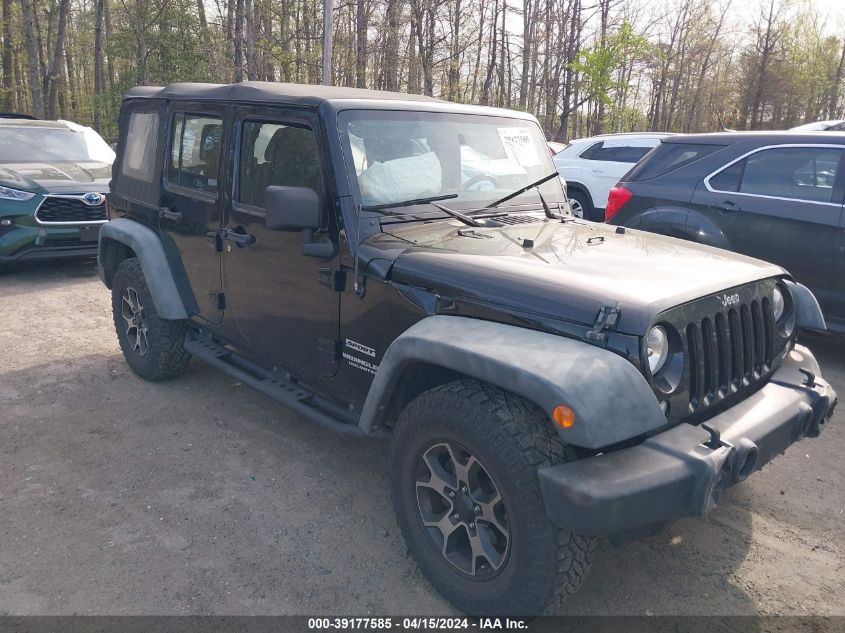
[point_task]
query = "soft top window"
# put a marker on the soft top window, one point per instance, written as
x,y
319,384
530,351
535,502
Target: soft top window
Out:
x,y
140,148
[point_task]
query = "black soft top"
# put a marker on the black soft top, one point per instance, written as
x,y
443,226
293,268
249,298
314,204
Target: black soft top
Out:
x,y
268,92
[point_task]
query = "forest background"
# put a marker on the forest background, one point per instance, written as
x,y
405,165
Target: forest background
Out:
x,y
581,66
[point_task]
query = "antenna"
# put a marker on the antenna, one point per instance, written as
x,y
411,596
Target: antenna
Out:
x,y
359,287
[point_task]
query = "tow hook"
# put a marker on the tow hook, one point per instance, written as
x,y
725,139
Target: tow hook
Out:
x,y
811,377
715,440
742,459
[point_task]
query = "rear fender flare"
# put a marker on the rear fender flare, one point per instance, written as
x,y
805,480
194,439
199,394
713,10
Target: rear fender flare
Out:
x,y
171,303
611,399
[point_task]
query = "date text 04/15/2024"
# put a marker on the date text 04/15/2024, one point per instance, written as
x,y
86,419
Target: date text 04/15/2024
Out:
x,y
422,623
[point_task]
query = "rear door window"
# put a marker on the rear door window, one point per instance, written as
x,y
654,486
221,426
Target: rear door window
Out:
x,y
669,157
615,153
799,173
195,152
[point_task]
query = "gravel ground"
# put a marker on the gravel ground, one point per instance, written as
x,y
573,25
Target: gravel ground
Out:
x,y
201,496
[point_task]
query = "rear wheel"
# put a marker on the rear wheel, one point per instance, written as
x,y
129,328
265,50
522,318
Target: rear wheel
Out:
x,y
467,498
152,346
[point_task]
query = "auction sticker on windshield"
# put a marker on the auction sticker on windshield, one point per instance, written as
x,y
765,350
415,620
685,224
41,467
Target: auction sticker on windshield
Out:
x,y
519,145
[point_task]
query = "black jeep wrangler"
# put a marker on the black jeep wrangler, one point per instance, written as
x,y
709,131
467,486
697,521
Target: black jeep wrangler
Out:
x,y
399,265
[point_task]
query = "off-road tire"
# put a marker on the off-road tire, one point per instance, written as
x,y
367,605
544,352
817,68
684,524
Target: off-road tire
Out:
x,y
512,438
165,357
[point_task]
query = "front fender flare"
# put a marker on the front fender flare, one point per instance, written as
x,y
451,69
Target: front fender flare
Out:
x,y
148,248
808,312
611,399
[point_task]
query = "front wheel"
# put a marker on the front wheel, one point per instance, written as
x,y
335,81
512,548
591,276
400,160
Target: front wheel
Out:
x,y
467,498
152,346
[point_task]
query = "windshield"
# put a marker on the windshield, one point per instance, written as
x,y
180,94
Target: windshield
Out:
x,y
399,156
34,144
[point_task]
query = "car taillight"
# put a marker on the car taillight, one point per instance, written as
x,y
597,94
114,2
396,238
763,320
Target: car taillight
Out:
x,y
617,197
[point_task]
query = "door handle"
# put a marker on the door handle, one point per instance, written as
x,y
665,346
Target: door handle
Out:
x,y
725,207
168,214
241,239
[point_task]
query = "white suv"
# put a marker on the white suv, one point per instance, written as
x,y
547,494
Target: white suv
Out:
x,y
591,166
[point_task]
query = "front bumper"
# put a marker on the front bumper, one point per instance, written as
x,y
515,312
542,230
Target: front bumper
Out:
x,y
682,471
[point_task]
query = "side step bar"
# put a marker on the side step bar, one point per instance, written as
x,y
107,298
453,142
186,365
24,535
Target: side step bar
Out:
x,y
286,392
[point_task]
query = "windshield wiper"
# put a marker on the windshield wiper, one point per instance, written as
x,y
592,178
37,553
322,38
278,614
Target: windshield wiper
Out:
x,y
409,203
519,192
456,214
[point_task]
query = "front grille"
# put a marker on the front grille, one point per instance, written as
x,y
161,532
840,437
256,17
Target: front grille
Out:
x,y
54,210
518,219
728,351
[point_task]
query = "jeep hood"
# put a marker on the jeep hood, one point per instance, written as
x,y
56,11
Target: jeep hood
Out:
x,y
57,177
563,270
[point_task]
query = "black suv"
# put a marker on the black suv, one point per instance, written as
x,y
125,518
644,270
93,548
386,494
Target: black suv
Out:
x,y
396,265
773,195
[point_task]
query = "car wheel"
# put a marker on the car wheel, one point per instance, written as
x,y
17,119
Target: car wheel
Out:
x,y
580,205
152,346
467,498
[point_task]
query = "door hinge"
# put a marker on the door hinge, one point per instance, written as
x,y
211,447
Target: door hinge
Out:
x,y
606,320
218,299
330,347
334,279
215,240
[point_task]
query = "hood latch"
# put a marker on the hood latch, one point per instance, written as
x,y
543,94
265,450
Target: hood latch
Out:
x,y
606,320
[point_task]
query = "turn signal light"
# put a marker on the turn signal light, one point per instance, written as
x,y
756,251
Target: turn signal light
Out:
x,y
563,416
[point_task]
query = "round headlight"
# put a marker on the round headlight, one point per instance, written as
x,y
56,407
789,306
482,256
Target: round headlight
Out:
x,y
777,303
656,348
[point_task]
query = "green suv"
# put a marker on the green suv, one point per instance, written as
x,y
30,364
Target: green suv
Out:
x,y
53,179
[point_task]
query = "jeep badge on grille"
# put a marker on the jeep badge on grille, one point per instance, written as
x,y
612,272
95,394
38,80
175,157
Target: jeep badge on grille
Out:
x,y
729,300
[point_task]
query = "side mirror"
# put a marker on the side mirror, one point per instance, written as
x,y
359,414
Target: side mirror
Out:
x,y
298,209
291,208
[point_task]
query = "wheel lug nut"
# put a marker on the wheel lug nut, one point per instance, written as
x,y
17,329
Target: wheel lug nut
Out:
x,y
464,490
456,516
471,525
476,508
451,494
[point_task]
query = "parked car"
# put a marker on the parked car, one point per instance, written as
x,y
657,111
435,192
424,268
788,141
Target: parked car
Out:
x,y
777,196
53,179
591,166
836,125
545,380
555,147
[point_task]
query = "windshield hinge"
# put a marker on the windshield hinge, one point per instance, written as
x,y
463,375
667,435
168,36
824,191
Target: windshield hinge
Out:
x,y
606,320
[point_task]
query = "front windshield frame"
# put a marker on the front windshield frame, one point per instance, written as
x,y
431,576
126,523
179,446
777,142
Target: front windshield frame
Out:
x,y
539,162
